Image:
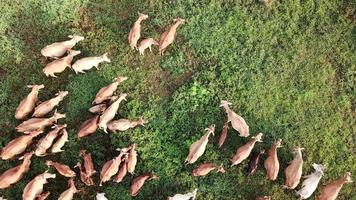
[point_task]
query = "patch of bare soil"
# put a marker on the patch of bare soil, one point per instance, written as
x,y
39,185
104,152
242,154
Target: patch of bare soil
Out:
x,y
162,83
2,73
85,22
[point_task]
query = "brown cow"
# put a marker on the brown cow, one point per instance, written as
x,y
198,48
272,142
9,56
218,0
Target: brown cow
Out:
x,y
168,36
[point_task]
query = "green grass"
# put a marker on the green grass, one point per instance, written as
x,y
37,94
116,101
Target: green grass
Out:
x,y
289,69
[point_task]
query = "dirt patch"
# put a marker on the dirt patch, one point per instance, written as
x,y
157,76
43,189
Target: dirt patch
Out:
x,y
162,83
85,22
2,73
350,12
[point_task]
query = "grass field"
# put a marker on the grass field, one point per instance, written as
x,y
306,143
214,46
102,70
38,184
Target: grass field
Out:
x,y
289,69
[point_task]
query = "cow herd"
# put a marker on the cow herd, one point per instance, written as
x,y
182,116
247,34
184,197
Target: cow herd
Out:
x,y
38,117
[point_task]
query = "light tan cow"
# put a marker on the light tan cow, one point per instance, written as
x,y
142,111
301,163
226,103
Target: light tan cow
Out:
x,y
206,168
110,112
132,160
57,146
244,151
43,196
125,124
100,108
69,193
294,170
89,62
87,170
187,196
46,142
58,66
100,196
18,145
168,36
39,123
264,198
197,149
107,92
27,105
271,164
332,189
15,174
88,127
135,32
138,182
58,49
87,180
223,134
47,106
311,181
111,167
88,163
122,170
146,43
237,122
35,187
62,169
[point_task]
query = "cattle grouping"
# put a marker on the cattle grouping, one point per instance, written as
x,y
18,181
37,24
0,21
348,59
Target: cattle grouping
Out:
x,y
105,107
293,172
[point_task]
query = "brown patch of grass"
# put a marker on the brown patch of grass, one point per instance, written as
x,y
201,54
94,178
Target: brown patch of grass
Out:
x,y
85,22
2,73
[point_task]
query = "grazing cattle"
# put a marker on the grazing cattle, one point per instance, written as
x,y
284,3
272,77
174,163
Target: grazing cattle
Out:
x,y
18,145
311,182
187,196
89,62
47,106
39,123
206,168
100,108
124,124
101,196
223,134
271,163
135,32
69,193
58,49
332,189
122,170
264,198
237,122
107,92
35,187
138,182
57,146
168,36
43,196
244,151
46,142
294,170
89,126
62,169
197,149
58,66
15,174
110,112
132,159
27,105
87,170
146,43
111,167
253,164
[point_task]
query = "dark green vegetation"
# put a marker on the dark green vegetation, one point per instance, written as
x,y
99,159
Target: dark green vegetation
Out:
x,y
288,69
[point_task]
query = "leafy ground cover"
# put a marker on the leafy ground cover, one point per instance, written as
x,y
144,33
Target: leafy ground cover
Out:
x,y
289,70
